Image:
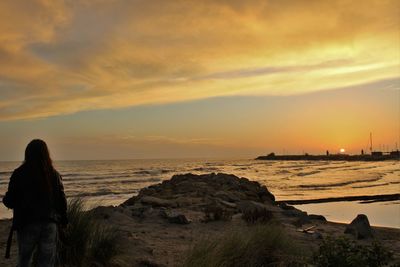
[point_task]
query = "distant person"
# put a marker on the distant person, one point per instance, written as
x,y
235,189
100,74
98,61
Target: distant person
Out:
x,y
36,195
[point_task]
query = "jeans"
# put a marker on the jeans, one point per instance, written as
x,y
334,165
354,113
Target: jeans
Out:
x,y
43,237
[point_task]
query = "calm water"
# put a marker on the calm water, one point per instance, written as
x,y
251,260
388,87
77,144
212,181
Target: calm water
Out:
x,y
112,182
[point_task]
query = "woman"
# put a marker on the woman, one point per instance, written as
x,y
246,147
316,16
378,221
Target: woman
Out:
x,y
36,195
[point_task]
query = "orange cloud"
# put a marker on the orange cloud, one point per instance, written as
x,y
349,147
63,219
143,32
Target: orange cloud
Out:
x,y
62,57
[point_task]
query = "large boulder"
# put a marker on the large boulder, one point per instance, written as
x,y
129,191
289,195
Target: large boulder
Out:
x,y
360,227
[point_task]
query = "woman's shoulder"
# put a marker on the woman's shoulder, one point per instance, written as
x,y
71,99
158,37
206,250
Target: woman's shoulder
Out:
x,y
20,170
18,174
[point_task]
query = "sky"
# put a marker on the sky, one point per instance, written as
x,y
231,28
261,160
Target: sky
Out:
x,y
121,79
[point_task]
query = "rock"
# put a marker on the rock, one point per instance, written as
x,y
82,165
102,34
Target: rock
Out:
x,y
317,217
360,227
148,191
216,211
285,206
139,211
187,201
157,202
227,196
194,191
131,201
302,219
174,217
254,212
103,212
265,195
294,213
178,218
228,204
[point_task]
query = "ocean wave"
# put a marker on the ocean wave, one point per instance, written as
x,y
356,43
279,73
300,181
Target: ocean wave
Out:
x,y
331,168
362,168
307,173
114,181
95,177
76,174
241,165
101,177
329,185
205,169
152,172
214,164
4,182
104,192
242,168
282,172
143,172
371,185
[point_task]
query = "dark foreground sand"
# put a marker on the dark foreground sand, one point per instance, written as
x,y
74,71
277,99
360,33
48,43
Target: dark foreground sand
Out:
x,y
149,237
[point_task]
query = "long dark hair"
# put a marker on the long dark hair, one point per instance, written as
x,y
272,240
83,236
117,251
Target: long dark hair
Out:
x,y
37,158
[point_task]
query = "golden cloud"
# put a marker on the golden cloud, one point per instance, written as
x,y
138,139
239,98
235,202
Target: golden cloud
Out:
x,y
60,57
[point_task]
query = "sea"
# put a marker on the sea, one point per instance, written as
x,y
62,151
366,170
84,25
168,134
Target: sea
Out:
x,y
111,182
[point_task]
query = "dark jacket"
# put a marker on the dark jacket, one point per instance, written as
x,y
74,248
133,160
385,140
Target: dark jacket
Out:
x,y
29,201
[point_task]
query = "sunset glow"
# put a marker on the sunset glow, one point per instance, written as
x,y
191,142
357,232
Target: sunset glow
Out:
x,y
151,79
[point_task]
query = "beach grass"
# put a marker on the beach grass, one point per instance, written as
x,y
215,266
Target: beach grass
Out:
x,y
85,241
255,245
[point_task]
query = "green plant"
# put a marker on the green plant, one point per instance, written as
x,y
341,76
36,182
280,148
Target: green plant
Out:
x,y
256,245
347,253
85,241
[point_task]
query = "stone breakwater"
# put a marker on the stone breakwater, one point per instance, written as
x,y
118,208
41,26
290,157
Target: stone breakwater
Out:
x,y
198,192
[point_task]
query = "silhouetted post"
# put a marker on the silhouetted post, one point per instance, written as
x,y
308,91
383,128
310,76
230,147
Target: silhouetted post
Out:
x,y
327,152
362,151
370,139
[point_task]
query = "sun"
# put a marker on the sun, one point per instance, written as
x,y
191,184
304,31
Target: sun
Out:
x,y
342,150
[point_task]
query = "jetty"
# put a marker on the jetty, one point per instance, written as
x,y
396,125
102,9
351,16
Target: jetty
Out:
x,y
375,156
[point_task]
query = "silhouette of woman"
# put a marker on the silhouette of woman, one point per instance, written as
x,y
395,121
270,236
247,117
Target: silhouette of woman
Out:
x,y
36,195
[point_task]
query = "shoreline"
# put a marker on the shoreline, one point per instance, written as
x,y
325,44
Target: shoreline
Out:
x,y
365,199
362,199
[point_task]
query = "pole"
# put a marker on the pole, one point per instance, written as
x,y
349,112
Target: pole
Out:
x,y
370,140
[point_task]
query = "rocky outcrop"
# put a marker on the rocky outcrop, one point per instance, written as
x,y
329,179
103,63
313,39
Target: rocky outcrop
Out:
x,y
218,195
360,227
